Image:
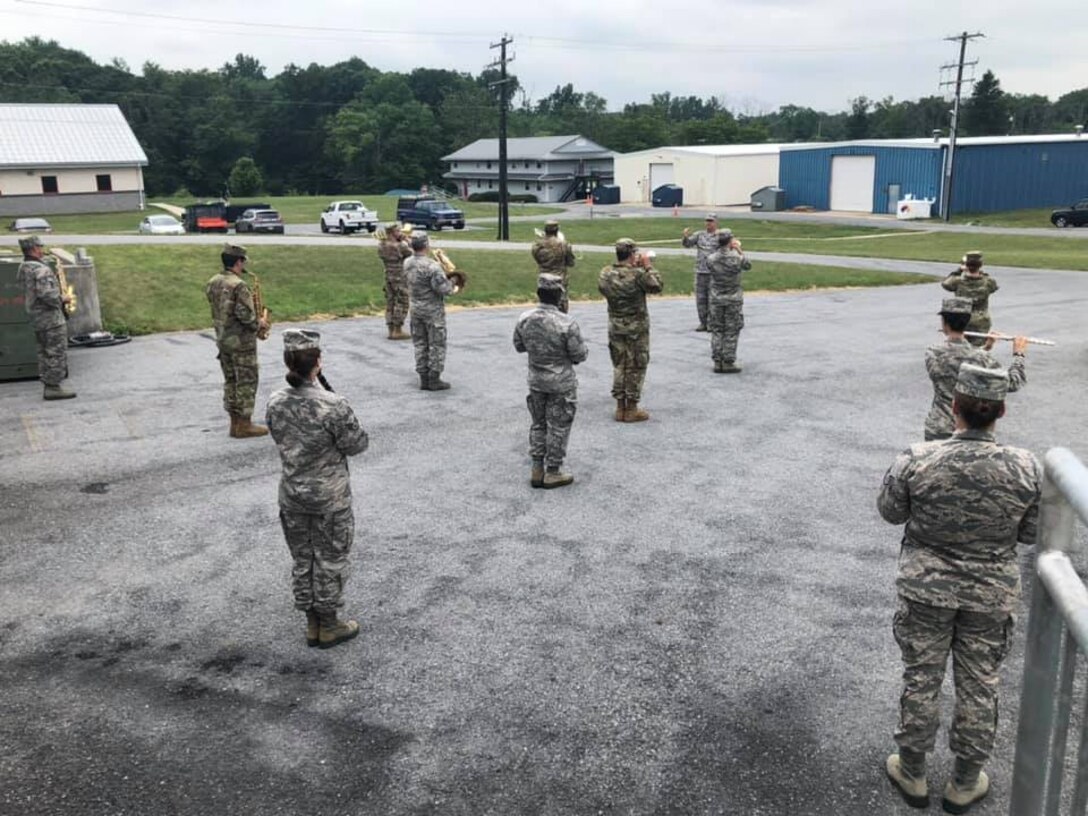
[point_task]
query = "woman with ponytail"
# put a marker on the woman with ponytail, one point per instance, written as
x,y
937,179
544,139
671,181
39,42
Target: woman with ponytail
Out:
x,y
315,431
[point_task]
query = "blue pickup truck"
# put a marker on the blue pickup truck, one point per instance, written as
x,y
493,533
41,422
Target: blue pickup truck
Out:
x,y
428,212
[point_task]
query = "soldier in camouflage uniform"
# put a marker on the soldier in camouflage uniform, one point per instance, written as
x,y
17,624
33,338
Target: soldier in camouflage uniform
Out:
x,y
726,316
971,282
943,362
393,250
429,286
45,303
554,344
706,244
236,325
966,502
625,285
554,256
315,431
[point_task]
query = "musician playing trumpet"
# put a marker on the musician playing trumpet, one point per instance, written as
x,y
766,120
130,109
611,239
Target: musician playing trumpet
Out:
x,y
393,249
237,324
429,286
554,256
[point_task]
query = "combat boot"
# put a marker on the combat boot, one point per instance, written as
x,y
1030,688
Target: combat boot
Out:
x,y
621,410
437,383
396,333
245,429
730,367
911,782
57,392
968,787
719,367
634,413
313,628
553,478
536,475
332,630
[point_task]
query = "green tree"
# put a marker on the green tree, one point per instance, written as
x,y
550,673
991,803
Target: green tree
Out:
x,y
986,113
857,123
245,178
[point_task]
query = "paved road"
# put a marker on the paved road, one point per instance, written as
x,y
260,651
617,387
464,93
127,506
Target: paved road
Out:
x,y
700,624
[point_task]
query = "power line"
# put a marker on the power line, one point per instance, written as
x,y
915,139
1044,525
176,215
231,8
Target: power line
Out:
x,y
502,83
946,186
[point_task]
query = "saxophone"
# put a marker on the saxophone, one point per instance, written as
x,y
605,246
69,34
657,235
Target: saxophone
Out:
x,y
66,288
260,309
460,279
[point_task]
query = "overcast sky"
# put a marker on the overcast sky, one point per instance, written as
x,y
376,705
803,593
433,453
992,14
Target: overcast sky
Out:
x,y
755,54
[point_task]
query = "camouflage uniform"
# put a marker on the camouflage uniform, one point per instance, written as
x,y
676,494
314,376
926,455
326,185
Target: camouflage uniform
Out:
x,y
315,431
46,309
726,315
706,244
554,344
625,288
943,362
555,257
966,502
236,323
429,286
977,290
393,254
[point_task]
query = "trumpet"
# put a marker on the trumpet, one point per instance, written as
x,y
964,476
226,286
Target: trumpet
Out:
x,y
405,232
541,234
999,336
450,268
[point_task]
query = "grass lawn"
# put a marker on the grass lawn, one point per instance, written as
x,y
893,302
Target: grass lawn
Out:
x,y
1012,218
146,289
1060,251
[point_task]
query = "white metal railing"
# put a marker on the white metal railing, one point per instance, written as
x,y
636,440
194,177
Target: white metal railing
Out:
x,y
1057,628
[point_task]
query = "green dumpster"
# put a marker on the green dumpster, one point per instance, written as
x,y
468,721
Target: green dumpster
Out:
x,y
18,348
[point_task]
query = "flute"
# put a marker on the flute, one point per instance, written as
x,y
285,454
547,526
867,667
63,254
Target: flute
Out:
x,y
999,336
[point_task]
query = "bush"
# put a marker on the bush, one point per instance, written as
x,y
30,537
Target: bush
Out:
x,y
245,178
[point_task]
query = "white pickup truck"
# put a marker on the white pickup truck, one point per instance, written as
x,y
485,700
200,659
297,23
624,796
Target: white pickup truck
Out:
x,y
348,216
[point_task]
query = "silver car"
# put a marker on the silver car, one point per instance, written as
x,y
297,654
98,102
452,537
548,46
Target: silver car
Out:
x,y
161,225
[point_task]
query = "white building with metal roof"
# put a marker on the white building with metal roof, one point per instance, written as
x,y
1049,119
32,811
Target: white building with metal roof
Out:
x,y
710,175
68,159
552,168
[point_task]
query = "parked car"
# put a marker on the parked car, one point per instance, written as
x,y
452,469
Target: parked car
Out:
x,y
259,221
161,225
429,212
348,216
1075,216
30,225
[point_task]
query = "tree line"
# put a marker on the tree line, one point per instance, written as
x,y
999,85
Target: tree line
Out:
x,y
349,126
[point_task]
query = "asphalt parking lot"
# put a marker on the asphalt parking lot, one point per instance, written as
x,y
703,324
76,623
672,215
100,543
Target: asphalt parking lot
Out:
x,y
700,624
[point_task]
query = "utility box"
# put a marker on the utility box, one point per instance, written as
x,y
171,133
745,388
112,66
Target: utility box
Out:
x,y
82,276
911,208
768,199
18,345
606,194
668,195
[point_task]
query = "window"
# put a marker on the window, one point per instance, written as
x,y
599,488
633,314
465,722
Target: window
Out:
x,y
49,184
489,182
104,183
539,165
538,188
526,165
526,185
489,165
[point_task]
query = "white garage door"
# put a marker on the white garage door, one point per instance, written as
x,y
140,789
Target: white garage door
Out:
x,y
661,174
852,179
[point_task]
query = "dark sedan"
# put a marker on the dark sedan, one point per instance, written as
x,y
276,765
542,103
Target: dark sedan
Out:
x,y
1075,216
259,221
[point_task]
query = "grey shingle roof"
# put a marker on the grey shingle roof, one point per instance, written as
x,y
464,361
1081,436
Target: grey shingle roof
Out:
x,y
538,148
72,135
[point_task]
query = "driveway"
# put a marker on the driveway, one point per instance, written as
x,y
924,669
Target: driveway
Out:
x,y
700,624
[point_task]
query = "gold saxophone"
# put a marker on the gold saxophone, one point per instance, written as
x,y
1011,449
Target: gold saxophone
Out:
x,y
460,279
65,288
261,310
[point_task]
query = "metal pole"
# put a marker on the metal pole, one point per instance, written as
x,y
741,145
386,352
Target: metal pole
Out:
x,y
949,159
504,198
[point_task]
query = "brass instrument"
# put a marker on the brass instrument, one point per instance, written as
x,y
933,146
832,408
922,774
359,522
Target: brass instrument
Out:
x,y
258,306
66,289
999,336
405,232
460,279
541,234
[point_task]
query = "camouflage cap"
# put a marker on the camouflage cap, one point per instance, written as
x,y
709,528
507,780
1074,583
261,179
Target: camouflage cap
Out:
x,y
551,222
711,217
973,259
29,242
235,250
625,243
420,241
546,280
725,235
982,383
301,339
955,305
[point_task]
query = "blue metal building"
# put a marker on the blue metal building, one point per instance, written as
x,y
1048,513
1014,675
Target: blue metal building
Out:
x,y
991,173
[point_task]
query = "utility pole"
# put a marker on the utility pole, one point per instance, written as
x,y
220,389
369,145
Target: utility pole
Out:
x,y
949,156
504,199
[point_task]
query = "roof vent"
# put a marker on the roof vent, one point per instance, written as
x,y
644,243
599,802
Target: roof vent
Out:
x,y
936,135
1079,130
